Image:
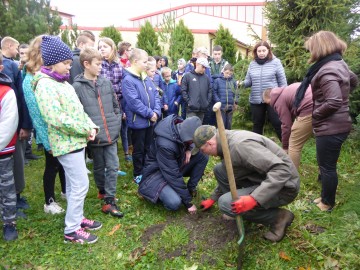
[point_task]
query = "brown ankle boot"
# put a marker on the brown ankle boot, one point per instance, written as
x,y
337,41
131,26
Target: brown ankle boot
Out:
x,y
278,229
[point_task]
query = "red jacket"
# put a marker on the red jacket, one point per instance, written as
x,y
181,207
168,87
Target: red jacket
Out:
x,y
10,147
282,100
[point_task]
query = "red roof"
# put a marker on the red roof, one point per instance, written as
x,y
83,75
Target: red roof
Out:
x,y
196,5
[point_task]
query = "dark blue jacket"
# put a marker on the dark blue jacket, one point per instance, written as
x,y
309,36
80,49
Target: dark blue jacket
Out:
x,y
11,69
164,162
173,93
224,91
141,100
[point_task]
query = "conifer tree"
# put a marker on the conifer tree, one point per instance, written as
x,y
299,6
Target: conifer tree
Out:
x,y
291,21
225,39
165,29
111,32
148,40
181,43
69,35
25,19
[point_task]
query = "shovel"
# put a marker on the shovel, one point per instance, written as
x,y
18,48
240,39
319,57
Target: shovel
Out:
x,y
228,165
230,175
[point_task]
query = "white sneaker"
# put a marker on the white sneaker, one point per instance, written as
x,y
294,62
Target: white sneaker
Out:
x,y
63,196
53,208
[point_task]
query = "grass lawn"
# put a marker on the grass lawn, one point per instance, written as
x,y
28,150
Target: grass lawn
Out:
x,y
150,237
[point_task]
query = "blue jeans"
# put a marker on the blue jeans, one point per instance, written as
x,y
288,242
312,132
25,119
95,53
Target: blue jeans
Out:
x,y
195,170
227,119
106,165
77,186
327,153
170,198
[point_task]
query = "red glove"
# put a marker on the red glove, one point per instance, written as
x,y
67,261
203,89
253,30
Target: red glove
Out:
x,y
243,204
206,204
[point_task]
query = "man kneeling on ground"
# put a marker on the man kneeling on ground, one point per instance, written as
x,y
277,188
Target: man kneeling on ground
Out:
x,y
265,176
169,160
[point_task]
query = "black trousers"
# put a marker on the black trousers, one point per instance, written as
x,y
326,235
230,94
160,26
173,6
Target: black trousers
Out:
x,y
327,153
141,140
52,167
258,115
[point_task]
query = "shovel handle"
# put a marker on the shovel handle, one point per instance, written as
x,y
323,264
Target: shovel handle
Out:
x,y
226,152
228,165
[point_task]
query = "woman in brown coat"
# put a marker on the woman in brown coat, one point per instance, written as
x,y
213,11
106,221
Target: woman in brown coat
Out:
x,y
331,82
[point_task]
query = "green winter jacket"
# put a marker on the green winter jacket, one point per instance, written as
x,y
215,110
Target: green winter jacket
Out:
x,y
68,124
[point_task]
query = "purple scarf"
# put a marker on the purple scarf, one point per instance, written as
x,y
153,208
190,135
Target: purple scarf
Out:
x,y
56,76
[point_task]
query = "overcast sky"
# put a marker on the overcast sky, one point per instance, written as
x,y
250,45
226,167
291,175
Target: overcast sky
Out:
x,y
118,12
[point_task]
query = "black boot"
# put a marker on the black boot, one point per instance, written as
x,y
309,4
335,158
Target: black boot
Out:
x,y
111,208
278,228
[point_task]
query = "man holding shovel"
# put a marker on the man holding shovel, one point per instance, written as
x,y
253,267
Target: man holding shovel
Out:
x,y
265,177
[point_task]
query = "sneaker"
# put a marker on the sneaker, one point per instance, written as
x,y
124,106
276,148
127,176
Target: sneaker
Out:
x,y
80,236
90,225
20,214
137,179
63,196
9,231
121,173
112,209
101,196
40,148
32,157
128,158
22,203
53,208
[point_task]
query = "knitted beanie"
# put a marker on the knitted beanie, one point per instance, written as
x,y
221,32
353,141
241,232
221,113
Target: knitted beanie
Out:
x,y
54,51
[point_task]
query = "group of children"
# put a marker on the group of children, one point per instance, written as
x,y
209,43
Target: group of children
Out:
x,y
108,94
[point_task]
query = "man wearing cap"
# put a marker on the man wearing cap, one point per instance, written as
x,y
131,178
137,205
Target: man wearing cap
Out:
x,y
169,160
196,89
265,176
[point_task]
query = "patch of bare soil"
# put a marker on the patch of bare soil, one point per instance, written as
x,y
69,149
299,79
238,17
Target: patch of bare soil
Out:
x,y
205,229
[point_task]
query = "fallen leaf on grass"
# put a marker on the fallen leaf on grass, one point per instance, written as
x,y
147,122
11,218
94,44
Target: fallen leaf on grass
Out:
x,y
136,254
302,268
332,264
114,229
131,227
313,228
283,256
120,255
193,267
